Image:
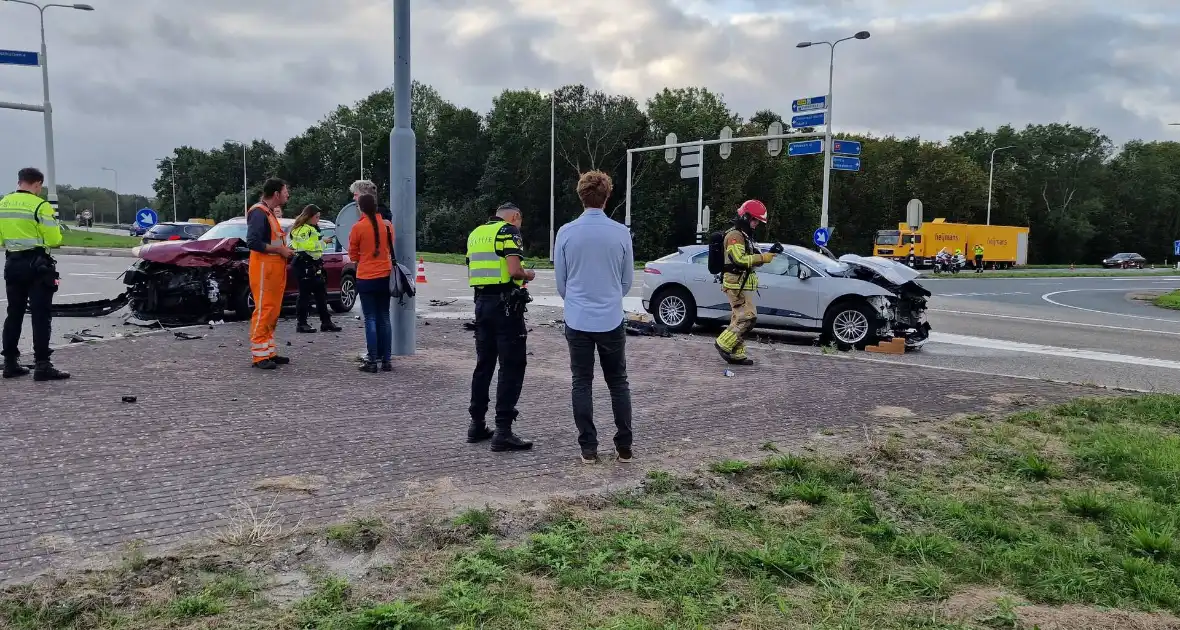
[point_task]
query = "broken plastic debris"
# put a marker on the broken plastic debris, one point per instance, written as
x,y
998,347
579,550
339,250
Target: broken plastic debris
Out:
x,y
186,336
728,373
129,399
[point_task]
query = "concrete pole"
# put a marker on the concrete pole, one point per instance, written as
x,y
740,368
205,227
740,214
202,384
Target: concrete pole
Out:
x,y
823,211
552,170
402,185
50,161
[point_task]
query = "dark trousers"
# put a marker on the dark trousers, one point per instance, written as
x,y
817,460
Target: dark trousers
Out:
x,y
612,350
375,301
30,280
311,286
500,337
979,263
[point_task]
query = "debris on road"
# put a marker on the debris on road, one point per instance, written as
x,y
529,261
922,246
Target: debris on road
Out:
x,y
130,399
470,325
728,373
644,325
82,336
443,302
187,336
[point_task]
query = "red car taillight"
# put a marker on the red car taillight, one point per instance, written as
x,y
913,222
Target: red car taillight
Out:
x,y
174,237
651,270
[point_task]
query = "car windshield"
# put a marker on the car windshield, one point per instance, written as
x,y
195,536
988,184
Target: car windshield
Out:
x,y
818,261
227,229
165,229
888,237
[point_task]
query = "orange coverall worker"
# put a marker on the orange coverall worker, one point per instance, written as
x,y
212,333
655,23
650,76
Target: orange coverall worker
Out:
x,y
268,281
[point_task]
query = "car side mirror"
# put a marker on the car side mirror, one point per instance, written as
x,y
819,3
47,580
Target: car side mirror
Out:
x,y
804,273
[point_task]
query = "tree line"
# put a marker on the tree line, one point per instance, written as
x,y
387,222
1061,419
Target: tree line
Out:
x,y
1082,198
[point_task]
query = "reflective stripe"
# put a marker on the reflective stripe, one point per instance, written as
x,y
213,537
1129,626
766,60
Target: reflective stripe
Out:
x,y
484,273
17,214
49,223
485,257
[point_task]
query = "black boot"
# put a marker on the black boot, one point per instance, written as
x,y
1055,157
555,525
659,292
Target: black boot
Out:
x,y
303,327
478,432
13,369
328,326
369,366
505,440
44,371
387,366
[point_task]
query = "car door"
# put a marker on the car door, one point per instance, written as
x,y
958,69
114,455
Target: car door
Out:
x,y
706,289
784,299
333,258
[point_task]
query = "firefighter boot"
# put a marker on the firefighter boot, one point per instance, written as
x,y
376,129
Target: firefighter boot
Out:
x,y
13,368
44,371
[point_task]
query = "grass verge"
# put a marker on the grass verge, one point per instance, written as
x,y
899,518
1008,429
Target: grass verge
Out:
x,y
1168,300
1053,274
1060,518
78,238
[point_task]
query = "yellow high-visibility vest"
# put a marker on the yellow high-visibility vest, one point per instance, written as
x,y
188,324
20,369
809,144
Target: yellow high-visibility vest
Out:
x,y
486,264
27,222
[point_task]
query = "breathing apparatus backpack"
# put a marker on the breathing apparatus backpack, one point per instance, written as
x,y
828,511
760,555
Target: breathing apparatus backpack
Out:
x,y
716,252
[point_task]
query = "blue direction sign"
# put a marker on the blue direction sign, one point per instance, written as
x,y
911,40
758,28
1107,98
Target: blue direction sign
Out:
x,y
1176,248
845,147
821,237
808,120
843,163
19,58
813,104
809,147
146,218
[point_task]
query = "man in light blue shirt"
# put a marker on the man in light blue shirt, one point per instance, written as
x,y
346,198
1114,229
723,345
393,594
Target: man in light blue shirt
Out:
x,y
594,265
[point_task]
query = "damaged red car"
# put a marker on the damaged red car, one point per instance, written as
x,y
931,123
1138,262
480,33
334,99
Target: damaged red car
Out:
x,y
208,279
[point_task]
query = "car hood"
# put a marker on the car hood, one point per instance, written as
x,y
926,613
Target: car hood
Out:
x,y
192,253
892,271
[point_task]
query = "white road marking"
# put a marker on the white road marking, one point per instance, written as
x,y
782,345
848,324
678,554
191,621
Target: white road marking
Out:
x,y
630,303
1055,321
1048,298
978,294
62,295
100,274
1054,351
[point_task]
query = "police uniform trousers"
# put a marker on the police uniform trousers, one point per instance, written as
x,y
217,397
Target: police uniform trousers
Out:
x,y
312,286
30,280
500,338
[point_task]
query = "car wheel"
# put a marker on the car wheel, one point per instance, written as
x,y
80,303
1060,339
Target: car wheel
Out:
x,y
675,309
849,324
243,303
348,295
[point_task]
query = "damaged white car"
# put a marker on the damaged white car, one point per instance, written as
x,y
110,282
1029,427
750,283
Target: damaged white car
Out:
x,y
852,302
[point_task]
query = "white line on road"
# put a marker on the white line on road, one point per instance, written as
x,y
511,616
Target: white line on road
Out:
x,y
1048,298
977,294
62,295
1055,321
1055,351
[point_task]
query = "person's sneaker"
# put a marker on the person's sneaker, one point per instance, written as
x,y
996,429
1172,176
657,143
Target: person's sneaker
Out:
x,y
330,327
508,441
589,458
266,364
623,455
304,328
479,433
386,366
370,367
280,360
44,371
13,369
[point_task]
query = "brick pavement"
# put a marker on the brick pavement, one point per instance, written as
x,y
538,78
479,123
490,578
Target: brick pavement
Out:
x,y
84,473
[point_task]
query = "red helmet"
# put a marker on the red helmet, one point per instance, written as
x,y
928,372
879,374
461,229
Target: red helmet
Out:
x,y
753,209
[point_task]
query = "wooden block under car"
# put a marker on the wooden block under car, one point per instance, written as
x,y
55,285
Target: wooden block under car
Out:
x,y
893,346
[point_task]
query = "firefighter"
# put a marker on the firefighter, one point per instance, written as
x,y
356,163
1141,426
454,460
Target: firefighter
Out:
x,y
308,244
268,272
28,229
739,282
496,275
978,258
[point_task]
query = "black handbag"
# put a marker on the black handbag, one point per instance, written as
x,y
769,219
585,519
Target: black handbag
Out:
x,y
401,285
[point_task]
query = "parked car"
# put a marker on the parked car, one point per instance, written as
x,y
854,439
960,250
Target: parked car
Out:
x,y
208,278
852,302
175,232
1124,261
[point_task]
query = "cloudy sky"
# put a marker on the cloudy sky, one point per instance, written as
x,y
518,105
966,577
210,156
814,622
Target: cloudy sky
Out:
x,y
135,78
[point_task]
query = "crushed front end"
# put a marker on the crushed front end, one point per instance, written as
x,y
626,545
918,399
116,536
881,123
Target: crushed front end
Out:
x,y
179,295
902,314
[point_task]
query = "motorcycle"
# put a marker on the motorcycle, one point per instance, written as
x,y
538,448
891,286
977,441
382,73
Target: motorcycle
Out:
x,y
949,263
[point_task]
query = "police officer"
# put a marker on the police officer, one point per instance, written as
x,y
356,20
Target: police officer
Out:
x,y
28,228
978,258
308,244
494,271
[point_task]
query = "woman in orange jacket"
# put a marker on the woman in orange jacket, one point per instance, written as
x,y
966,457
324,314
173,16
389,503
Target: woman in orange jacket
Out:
x,y
370,244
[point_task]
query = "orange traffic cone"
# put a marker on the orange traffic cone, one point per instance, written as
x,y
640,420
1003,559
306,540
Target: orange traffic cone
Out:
x,y
421,279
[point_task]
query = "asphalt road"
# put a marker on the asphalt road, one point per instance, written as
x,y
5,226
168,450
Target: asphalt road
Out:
x,y
1081,330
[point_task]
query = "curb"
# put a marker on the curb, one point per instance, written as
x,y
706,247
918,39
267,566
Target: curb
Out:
x,y
94,251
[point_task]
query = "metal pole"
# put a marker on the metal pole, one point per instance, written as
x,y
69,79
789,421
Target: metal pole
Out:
x,y
552,170
362,139
991,173
823,212
700,189
245,194
175,213
627,212
51,162
402,178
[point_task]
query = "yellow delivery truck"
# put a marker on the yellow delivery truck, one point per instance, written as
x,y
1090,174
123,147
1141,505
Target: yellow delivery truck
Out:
x,y
1004,246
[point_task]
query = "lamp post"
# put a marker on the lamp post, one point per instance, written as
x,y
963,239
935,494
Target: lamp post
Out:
x,y
552,170
172,163
402,184
991,172
362,142
116,192
47,108
245,194
823,213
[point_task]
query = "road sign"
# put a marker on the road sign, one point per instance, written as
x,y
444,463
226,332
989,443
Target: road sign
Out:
x,y
146,217
1176,248
19,58
774,147
845,147
670,154
808,120
807,147
913,214
690,160
844,163
726,147
813,104
821,237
